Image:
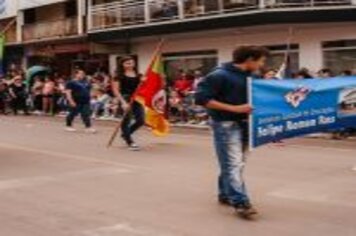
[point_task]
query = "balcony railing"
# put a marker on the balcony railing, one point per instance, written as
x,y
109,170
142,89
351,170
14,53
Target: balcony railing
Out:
x,y
53,29
128,13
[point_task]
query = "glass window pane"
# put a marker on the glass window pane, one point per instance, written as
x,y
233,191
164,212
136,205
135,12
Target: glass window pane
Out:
x,y
340,60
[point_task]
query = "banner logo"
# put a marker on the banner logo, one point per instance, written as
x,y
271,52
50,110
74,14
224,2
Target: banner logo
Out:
x,y
297,96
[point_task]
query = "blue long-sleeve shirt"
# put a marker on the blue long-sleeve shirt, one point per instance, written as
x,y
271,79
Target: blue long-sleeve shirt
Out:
x,y
226,84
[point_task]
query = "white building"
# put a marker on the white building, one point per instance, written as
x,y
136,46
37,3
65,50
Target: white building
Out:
x,y
202,33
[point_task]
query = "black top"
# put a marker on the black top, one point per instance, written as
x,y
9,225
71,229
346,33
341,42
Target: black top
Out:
x,y
80,90
226,84
128,85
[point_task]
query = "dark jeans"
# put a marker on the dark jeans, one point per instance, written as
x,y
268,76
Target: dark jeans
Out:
x,y
38,102
128,127
83,110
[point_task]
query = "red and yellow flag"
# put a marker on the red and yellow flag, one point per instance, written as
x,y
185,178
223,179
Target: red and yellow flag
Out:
x,y
152,95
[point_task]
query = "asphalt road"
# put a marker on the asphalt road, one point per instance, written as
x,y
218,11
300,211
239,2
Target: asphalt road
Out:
x,y
54,183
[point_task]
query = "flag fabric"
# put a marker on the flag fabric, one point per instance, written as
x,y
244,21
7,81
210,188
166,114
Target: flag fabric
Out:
x,y
2,47
152,95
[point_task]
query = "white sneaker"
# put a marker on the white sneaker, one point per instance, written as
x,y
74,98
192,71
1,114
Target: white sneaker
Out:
x,y
91,131
134,147
70,129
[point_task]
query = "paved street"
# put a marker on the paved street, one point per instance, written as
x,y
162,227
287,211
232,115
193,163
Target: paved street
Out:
x,y
54,183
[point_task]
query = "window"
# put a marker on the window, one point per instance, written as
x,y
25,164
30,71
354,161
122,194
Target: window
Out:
x,y
278,55
339,55
30,16
71,9
188,62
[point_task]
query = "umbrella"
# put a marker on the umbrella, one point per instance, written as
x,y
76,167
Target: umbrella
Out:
x,y
35,70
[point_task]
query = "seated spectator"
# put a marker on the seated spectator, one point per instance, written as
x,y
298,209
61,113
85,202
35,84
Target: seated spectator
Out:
x,y
18,96
99,103
175,105
4,97
183,85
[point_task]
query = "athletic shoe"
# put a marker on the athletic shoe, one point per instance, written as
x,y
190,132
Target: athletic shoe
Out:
x,y
246,211
134,147
91,131
70,129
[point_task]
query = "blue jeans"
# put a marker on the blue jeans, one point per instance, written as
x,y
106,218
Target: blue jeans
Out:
x,y
230,150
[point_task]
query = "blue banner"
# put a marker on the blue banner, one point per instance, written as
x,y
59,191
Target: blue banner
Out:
x,y
290,108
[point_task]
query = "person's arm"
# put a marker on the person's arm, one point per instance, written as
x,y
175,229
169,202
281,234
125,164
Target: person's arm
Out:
x,y
242,109
69,95
12,93
70,99
116,91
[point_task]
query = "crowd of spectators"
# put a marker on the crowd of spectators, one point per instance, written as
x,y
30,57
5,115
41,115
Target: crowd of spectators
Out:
x,y
45,94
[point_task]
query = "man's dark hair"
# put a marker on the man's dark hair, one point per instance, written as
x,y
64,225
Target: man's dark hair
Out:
x,y
244,53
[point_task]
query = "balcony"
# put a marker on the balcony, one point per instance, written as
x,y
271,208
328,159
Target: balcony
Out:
x,y
50,30
130,14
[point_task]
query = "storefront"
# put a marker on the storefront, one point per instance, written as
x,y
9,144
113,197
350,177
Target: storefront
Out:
x,y
64,58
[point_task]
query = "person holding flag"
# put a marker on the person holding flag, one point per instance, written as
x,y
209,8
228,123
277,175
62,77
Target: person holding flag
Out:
x,y
142,97
224,92
124,87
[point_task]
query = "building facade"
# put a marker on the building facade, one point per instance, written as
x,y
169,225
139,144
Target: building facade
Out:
x,y
202,33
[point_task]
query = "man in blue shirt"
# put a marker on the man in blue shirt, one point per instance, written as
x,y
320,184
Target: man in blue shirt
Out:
x,y
78,96
224,92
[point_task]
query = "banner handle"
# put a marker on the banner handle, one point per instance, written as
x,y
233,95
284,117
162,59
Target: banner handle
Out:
x,y
250,117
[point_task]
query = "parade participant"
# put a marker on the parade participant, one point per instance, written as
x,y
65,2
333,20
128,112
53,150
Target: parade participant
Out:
x,y
224,93
78,96
124,87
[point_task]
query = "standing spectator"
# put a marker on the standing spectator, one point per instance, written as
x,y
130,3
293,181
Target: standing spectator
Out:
x,y
49,89
270,74
303,74
325,73
18,95
78,95
346,73
61,103
37,90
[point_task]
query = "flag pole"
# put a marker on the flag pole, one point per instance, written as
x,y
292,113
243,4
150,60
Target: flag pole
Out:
x,y
126,113
281,74
250,117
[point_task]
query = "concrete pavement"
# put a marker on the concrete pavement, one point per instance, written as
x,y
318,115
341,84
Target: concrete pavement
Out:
x,y
54,183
